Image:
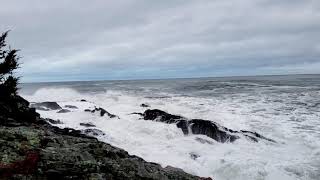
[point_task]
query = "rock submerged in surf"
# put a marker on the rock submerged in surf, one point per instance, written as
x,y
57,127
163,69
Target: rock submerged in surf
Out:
x,y
102,112
64,111
201,127
193,155
144,105
71,107
46,106
52,121
87,124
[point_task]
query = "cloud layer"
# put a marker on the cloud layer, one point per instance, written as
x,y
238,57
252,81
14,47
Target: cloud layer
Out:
x,y
132,39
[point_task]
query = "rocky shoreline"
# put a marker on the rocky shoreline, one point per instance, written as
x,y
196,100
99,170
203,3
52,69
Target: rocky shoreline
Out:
x,y
33,149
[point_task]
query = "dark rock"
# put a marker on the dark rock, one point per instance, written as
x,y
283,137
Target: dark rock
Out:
x,y
87,110
15,111
254,135
103,112
212,130
145,105
54,121
64,111
46,106
162,116
202,127
194,156
87,125
205,127
83,100
93,132
71,106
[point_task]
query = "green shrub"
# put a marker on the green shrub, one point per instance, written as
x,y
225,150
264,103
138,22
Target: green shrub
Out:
x,y
8,63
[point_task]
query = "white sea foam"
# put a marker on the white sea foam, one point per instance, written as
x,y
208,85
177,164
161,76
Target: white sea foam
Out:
x,y
295,156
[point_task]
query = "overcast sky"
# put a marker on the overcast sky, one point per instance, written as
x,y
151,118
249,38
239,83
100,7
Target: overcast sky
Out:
x,y
139,39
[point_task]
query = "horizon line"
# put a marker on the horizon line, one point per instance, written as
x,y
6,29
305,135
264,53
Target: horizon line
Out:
x,y
172,78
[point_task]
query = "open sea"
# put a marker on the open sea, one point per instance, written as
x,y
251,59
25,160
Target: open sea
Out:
x,y
283,108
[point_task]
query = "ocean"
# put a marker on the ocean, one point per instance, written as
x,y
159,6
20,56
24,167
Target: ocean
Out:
x,y
283,108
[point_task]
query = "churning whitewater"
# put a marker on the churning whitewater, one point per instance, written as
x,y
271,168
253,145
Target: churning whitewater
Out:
x,y
283,108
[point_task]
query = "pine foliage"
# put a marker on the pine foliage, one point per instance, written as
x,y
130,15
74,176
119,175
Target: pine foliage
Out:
x,y
8,63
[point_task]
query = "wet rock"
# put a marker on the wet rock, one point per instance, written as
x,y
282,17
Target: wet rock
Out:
x,y
202,127
46,106
87,125
64,111
103,112
194,156
54,121
255,136
144,105
208,128
158,115
93,132
71,106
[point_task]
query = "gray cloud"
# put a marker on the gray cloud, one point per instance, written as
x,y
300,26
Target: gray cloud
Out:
x,y
71,40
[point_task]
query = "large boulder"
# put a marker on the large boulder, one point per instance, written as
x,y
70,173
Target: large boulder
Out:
x,y
202,127
158,115
208,128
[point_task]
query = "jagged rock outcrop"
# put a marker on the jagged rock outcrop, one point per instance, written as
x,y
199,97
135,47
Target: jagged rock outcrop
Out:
x,y
46,106
31,148
102,112
200,126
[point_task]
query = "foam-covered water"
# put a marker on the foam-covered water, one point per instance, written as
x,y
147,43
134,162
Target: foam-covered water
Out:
x,y
284,108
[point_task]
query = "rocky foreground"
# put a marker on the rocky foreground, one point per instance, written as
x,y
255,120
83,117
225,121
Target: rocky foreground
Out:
x,y
31,148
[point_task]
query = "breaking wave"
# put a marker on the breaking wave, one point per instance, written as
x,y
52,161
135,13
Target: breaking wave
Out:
x,y
290,118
